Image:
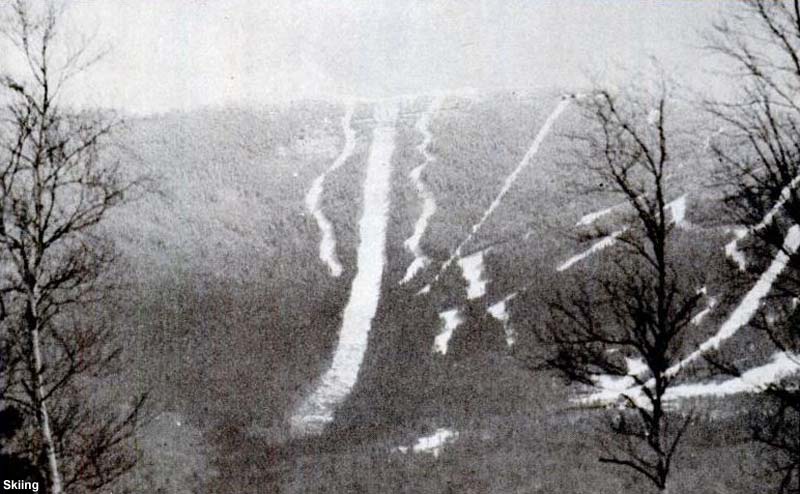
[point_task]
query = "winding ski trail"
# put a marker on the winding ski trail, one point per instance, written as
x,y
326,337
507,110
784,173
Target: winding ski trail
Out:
x,y
412,243
317,410
327,244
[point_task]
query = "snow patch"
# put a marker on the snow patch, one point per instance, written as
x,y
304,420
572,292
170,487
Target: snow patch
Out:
x,y
499,311
432,444
452,319
327,244
472,270
677,209
732,249
317,409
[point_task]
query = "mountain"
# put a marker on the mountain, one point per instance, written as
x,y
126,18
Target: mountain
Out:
x,y
339,297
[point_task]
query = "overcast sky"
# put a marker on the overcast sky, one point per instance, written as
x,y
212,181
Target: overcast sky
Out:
x,y
187,53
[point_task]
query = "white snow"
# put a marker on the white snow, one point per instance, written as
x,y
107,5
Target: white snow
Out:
x,y
412,243
317,409
751,381
452,319
732,249
636,366
499,311
590,218
698,318
537,143
601,244
677,209
740,316
472,270
751,302
786,193
327,244
432,444
617,385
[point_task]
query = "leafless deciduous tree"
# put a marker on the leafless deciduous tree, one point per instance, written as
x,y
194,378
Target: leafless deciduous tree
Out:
x,y
55,189
636,308
758,147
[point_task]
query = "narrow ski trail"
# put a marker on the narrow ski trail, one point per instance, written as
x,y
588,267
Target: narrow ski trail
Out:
x,y
732,247
317,410
751,302
327,244
601,244
412,243
740,317
537,143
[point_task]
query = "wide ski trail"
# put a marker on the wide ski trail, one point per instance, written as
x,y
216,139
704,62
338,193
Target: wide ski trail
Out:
x,y
327,244
412,243
317,410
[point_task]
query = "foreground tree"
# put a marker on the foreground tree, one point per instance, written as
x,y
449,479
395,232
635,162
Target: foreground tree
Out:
x,y
626,322
758,148
55,189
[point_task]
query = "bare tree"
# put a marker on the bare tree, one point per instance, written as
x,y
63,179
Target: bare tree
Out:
x,y
55,189
758,148
637,309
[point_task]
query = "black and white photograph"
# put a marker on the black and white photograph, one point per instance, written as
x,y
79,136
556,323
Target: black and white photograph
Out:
x,y
400,246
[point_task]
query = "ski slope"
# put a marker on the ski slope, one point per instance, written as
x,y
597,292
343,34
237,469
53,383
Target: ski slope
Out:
x,y
365,291
509,182
413,242
327,244
601,244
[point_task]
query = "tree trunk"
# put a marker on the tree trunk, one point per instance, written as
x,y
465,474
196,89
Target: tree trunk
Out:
x,y
39,398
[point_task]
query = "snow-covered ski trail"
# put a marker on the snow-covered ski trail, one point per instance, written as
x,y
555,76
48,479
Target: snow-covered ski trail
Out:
x,y
754,380
327,244
412,243
601,244
741,316
537,143
751,381
732,247
589,218
751,302
317,410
